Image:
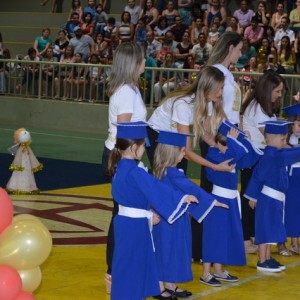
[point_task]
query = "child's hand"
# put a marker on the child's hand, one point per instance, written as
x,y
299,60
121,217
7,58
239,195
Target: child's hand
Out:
x,y
220,204
155,219
190,198
224,166
234,133
252,204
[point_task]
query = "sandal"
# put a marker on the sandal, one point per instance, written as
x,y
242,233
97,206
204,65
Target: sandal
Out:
x,y
295,249
180,294
162,297
107,280
285,252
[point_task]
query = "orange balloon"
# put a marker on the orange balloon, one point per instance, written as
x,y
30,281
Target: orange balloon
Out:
x,y
25,245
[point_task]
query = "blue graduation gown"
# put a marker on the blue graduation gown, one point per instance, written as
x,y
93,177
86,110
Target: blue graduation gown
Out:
x,y
223,240
134,269
173,242
292,204
271,171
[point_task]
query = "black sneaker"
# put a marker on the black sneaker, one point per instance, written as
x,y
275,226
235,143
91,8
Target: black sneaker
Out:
x,y
267,266
276,263
210,280
225,276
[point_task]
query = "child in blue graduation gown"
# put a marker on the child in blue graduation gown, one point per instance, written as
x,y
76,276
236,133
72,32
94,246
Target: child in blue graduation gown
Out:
x,y
134,269
267,187
292,205
173,241
223,242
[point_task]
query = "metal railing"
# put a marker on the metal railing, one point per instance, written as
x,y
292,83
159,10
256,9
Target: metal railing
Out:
x,y
76,82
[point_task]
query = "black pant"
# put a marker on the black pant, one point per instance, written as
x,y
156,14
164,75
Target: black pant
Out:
x,y
110,236
248,214
197,228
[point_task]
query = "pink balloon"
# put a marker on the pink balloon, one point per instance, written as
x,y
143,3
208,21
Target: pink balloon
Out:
x,y
24,296
6,210
10,283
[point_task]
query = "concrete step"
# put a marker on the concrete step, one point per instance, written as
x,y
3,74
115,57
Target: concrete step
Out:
x,y
31,19
25,34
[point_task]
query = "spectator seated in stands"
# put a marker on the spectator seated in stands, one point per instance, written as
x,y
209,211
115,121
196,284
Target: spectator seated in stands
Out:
x,y
87,25
162,28
170,13
197,27
295,17
283,31
234,26
254,33
48,72
82,43
42,43
4,69
74,22
101,48
202,50
169,38
167,79
63,71
286,56
244,14
150,12
134,11
75,7
125,30
94,77
277,16
110,29
60,44
182,50
189,77
141,31
213,34
31,71
153,46
90,8
100,18
247,52
178,29
216,10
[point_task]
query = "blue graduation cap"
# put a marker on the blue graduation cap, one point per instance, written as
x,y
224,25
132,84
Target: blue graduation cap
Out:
x,y
225,127
172,138
276,127
292,110
131,130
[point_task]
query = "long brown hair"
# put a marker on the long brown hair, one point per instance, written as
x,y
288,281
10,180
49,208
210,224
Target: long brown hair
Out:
x,y
262,93
117,153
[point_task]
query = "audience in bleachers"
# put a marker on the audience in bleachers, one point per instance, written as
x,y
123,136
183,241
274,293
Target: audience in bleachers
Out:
x,y
75,7
185,31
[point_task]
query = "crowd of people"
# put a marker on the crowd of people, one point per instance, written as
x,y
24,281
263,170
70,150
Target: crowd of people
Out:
x,y
205,108
174,34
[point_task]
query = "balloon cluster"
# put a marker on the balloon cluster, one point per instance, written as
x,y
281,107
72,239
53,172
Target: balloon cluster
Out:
x,y
25,243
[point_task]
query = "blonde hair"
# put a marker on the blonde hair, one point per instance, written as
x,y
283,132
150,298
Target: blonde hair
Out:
x,y
127,61
165,156
210,80
221,49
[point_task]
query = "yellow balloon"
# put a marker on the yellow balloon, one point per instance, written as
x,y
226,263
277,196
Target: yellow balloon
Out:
x,y
31,279
25,245
24,217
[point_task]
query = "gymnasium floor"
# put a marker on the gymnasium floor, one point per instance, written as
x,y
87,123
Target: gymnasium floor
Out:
x,y
78,219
